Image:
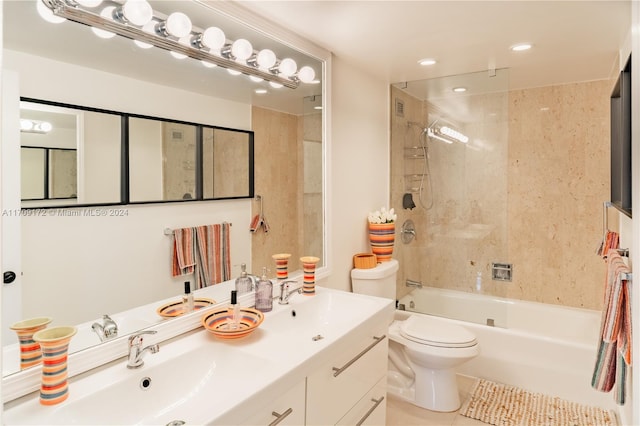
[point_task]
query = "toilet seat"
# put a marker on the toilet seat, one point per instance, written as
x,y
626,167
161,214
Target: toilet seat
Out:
x,y
425,332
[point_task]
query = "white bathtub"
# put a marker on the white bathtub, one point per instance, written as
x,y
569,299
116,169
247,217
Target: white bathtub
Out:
x,y
536,346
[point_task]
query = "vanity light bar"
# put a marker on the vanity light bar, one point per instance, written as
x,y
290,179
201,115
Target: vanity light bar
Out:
x,y
72,11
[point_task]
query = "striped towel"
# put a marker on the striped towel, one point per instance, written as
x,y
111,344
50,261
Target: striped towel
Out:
x,y
204,250
183,252
611,241
213,254
614,349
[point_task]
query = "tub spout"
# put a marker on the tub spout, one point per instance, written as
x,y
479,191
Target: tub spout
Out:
x,y
412,283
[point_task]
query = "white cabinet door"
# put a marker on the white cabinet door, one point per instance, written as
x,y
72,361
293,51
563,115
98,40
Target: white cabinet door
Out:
x,y
286,409
335,388
371,410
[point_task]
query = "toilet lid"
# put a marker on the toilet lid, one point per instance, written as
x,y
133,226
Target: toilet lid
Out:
x,y
427,332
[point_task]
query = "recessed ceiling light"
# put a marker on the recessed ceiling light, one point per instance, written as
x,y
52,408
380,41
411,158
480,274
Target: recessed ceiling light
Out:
x,y
520,47
459,89
427,61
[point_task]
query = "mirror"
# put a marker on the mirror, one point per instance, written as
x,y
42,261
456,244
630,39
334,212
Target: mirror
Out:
x,y
48,173
78,268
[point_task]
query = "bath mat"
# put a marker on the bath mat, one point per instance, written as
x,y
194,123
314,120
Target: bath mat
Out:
x,y
503,405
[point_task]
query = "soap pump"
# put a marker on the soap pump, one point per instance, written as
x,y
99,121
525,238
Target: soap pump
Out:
x,y
244,284
187,298
264,293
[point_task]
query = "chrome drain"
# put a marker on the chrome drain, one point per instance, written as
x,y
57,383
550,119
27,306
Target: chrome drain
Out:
x,y
145,383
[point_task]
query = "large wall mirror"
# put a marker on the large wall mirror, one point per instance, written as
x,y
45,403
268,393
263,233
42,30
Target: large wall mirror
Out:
x,y
77,269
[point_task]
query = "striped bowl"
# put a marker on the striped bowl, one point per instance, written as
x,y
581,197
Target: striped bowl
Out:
x,y
217,322
176,308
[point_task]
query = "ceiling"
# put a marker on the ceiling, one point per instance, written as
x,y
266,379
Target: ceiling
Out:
x,y
573,40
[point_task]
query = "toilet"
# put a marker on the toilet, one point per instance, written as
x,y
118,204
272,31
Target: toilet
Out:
x,y
423,352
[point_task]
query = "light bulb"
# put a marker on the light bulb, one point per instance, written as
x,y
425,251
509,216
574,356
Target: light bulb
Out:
x,y
137,12
107,12
275,85
178,25
287,67
26,124
46,13
148,28
266,59
213,38
241,49
43,126
89,3
306,74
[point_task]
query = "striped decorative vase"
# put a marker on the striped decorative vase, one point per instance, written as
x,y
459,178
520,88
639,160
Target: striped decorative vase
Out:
x,y
282,265
382,236
309,267
30,352
54,341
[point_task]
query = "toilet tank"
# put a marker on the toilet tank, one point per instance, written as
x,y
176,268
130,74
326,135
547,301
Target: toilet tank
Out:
x,y
379,281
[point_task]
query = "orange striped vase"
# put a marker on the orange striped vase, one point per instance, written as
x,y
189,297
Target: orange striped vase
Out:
x,y
30,352
309,267
282,265
382,236
54,341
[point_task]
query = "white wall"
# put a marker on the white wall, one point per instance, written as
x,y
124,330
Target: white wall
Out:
x,y
91,264
359,163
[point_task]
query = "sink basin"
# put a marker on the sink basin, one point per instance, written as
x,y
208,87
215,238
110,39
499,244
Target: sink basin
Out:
x,y
167,388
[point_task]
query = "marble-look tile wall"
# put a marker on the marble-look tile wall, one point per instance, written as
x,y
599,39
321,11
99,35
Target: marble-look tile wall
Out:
x,y
526,190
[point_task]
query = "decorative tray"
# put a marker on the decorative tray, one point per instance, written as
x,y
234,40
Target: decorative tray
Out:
x,y
175,309
217,322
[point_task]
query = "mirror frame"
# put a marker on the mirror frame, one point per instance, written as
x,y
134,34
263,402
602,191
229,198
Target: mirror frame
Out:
x,y
125,157
24,382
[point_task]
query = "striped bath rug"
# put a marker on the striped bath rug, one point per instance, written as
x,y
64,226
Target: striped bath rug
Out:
x,y
503,405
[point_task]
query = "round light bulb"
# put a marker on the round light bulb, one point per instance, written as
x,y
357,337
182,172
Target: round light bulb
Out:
x,y
43,126
213,38
287,67
241,49
89,3
46,13
306,74
137,12
178,24
275,85
107,12
266,59
26,124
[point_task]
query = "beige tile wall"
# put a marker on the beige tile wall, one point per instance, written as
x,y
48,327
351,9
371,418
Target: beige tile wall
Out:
x,y
527,190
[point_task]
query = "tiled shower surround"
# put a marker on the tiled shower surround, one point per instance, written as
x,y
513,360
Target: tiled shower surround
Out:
x,y
527,189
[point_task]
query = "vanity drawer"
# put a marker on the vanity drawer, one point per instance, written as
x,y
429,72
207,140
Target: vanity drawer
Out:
x,y
335,388
371,409
288,407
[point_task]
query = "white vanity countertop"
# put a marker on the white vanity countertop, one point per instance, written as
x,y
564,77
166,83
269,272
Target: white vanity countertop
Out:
x,y
199,378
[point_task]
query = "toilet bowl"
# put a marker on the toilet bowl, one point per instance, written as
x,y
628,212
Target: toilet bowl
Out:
x,y
423,354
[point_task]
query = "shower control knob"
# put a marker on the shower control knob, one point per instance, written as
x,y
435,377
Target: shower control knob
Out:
x,y
9,277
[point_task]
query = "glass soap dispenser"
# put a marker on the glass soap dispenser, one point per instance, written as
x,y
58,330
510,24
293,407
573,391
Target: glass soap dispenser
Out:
x,y
244,283
264,293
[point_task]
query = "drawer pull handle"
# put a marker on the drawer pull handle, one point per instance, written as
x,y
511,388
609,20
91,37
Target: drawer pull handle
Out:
x,y
337,371
280,417
371,410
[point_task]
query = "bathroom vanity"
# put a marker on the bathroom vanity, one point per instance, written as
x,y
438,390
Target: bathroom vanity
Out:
x,y
318,360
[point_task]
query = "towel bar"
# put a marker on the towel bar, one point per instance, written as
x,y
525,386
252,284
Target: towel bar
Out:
x,y
169,231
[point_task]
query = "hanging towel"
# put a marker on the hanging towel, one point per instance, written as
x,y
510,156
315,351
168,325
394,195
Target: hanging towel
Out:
x,y
611,242
614,349
212,254
184,258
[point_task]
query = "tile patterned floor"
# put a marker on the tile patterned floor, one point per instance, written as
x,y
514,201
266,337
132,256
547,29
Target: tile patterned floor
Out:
x,y
401,413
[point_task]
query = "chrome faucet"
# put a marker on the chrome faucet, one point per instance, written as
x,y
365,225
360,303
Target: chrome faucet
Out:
x,y
285,293
107,330
412,283
136,352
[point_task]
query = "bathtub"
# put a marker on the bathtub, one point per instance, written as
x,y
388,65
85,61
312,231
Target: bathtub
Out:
x,y
543,348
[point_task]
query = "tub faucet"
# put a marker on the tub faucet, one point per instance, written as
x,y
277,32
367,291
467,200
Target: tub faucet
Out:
x,y
412,283
285,293
136,352
107,330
